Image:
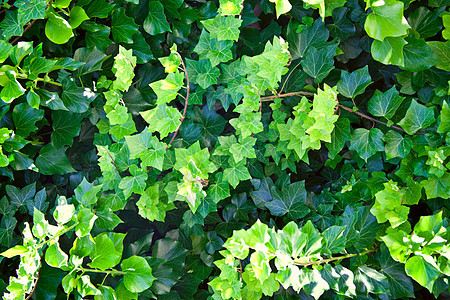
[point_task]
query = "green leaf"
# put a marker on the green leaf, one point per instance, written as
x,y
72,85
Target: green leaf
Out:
x,y
25,117
341,27
223,28
156,22
315,36
442,53
104,255
385,104
388,205
215,50
236,173
167,89
5,50
243,149
417,116
66,126
202,72
281,6
400,285
334,239
423,269
430,227
76,99
135,183
437,187
386,21
396,144
97,35
20,197
418,55
123,68
98,9
31,10
368,280
163,119
86,220
55,257
16,250
138,274
12,89
355,83
389,51
123,27
11,25
77,16
52,160
57,29
366,142
290,201
340,134
319,63
444,125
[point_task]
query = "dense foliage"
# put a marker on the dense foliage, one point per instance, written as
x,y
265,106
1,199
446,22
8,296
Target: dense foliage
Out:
x,y
227,149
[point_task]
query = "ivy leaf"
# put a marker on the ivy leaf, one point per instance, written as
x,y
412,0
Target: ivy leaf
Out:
x,y
400,285
57,29
162,118
11,25
135,183
151,207
122,26
389,51
12,89
366,142
77,16
396,145
243,149
437,187
219,191
334,239
355,83
442,53
98,9
31,10
281,6
444,126
20,197
423,269
341,27
315,36
236,173
97,35
386,21
417,116
123,68
25,117
76,99
368,280
167,89
319,63
202,72
223,28
55,257
385,104
104,255
52,160
418,55
138,274
156,22
290,201
66,126
214,50
340,134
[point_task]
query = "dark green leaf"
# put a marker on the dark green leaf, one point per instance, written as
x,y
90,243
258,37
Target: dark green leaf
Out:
x,y
418,55
315,36
66,126
319,63
52,160
122,26
291,201
355,83
417,116
366,142
156,22
76,99
385,104
25,117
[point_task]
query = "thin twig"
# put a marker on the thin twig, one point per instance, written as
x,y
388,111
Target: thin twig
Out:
x,y
29,26
112,159
34,287
301,93
185,103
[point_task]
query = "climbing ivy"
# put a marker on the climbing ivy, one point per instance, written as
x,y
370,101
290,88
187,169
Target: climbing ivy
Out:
x,y
229,149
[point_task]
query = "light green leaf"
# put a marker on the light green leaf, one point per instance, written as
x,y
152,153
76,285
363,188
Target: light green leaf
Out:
x,y
236,173
12,89
355,83
138,274
281,6
423,269
437,187
104,255
389,51
77,16
167,89
334,239
163,119
16,250
243,149
386,21
123,68
55,257
417,116
366,142
223,28
444,125
57,29
442,53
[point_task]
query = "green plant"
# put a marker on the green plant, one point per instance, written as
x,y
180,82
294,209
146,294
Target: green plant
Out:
x,y
224,149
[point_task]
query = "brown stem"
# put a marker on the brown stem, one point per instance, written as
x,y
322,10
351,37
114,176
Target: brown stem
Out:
x,y
301,93
362,115
112,159
34,287
29,26
185,103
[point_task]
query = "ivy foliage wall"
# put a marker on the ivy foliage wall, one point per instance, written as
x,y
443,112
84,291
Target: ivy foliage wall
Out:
x,y
227,149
